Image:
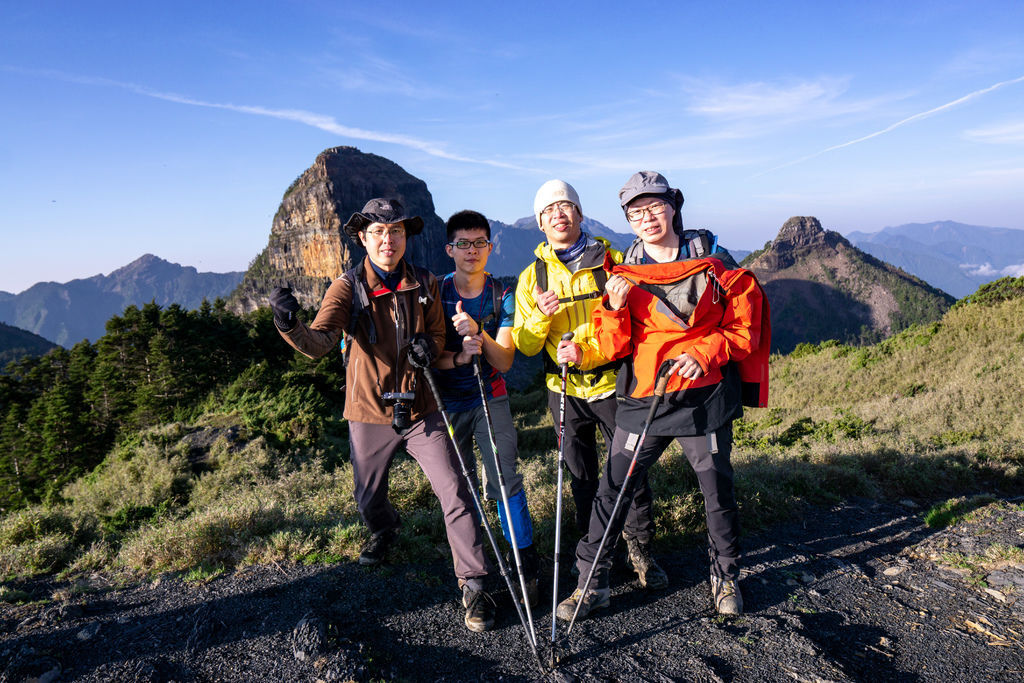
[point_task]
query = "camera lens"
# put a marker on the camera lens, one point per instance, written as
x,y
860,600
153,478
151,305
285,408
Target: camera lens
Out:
x,y
401,418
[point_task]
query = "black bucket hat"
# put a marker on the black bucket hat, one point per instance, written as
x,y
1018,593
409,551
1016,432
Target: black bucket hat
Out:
x,y
383,210
652,184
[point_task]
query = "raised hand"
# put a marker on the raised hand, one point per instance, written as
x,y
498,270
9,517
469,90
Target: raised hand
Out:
x,y
285,306
547,301
617,288
463,322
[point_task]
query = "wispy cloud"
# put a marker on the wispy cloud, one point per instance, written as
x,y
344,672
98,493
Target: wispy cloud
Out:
x,y
761,99
1004,133
324,122
894,126
375,75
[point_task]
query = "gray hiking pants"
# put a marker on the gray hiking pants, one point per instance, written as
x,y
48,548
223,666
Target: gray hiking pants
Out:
x,y
472,424
373,448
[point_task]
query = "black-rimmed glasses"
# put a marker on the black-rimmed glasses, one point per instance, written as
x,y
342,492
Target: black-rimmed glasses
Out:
x,y
655,209
479,243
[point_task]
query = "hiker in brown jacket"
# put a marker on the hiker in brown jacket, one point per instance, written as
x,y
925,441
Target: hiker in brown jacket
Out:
x,y
380,306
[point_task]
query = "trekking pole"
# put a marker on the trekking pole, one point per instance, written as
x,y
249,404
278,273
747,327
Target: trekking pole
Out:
x,y
558,506
419,357
478,371
659,393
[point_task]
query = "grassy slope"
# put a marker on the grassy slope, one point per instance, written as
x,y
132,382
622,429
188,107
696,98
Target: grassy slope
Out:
x,y
928,413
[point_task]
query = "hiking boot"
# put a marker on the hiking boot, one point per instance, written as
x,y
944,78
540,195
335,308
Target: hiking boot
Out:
x,y
727,596
647,570
374,550
597,598
479,609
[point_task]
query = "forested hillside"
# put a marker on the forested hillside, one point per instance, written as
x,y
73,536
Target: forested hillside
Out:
x,y
63,412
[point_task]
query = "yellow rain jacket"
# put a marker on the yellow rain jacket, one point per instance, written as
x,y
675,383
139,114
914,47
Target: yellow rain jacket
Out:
x,y
533,331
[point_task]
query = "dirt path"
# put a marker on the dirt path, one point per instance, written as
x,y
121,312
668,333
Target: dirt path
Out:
x,y
848,593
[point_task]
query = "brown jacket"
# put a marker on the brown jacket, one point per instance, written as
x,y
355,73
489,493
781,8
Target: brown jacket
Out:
x,y
373,369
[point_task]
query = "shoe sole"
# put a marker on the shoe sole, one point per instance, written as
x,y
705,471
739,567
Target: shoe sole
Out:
x,y
644,583
478,627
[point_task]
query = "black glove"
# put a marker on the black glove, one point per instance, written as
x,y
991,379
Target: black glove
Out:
x,y
422,352
285,306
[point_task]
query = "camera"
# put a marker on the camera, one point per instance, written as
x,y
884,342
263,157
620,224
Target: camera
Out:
x,y
401,409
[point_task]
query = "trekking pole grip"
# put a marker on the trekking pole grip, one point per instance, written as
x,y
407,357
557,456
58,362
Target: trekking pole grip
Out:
x,y
567,337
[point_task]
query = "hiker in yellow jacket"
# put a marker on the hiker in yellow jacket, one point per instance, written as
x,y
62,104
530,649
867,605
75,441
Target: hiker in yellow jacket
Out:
x,y
554,295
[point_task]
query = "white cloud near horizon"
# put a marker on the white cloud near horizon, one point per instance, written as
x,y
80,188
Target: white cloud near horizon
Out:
x,y
986,270
910,119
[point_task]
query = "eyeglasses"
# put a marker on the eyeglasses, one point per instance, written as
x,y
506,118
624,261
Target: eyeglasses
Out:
x,y
558,207
655,209
394,231
478,243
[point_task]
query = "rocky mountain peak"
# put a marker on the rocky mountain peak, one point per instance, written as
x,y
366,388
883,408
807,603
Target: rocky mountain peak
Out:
x,y
799,235
822,287
308,248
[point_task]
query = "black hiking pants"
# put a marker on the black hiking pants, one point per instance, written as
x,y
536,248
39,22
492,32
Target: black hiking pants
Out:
x,y
582,420
709,458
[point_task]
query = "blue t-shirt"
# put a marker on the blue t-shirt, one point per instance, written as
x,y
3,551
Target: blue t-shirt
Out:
x,y
459,386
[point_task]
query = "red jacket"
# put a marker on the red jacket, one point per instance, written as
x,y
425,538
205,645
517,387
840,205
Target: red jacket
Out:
x,y
719,317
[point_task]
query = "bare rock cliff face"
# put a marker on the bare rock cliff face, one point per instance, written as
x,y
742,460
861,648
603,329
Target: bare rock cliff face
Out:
x,y
822,287
308,248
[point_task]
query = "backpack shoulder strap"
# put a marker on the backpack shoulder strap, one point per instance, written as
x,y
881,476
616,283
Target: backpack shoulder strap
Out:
x,y
360,303
634,253
540,271
360,311
497,294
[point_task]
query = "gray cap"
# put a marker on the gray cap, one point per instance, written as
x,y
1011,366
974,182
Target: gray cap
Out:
x,y
649,183
652,184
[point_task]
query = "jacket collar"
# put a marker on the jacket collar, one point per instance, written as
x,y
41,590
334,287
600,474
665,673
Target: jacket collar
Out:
x,y
374,282
593,254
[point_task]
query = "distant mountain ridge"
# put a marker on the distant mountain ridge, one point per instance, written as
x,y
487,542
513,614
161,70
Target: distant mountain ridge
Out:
x,y
16,343
66,313
822,287
955,257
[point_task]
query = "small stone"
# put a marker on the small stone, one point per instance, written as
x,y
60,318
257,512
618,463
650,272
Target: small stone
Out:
x,y
893,571
998,595
807,577
907,503
792,582
89,632
308,637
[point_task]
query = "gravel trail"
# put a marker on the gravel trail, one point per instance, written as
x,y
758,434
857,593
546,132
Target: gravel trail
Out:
x,y
856,592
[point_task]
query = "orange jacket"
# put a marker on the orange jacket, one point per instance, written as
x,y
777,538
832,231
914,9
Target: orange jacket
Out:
x,y
719,317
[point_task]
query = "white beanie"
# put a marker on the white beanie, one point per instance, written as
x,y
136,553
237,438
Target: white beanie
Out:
x,y
555,191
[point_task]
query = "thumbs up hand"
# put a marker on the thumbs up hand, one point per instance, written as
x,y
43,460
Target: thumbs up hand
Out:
x,y
464,324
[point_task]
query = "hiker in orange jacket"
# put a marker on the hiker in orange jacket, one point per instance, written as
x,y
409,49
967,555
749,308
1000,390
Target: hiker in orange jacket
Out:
x,y
675,300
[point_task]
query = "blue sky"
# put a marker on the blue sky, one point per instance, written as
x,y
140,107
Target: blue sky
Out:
x,y
174,129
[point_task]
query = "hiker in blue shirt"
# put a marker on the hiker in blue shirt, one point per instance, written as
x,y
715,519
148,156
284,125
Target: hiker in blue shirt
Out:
x,y
479,314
